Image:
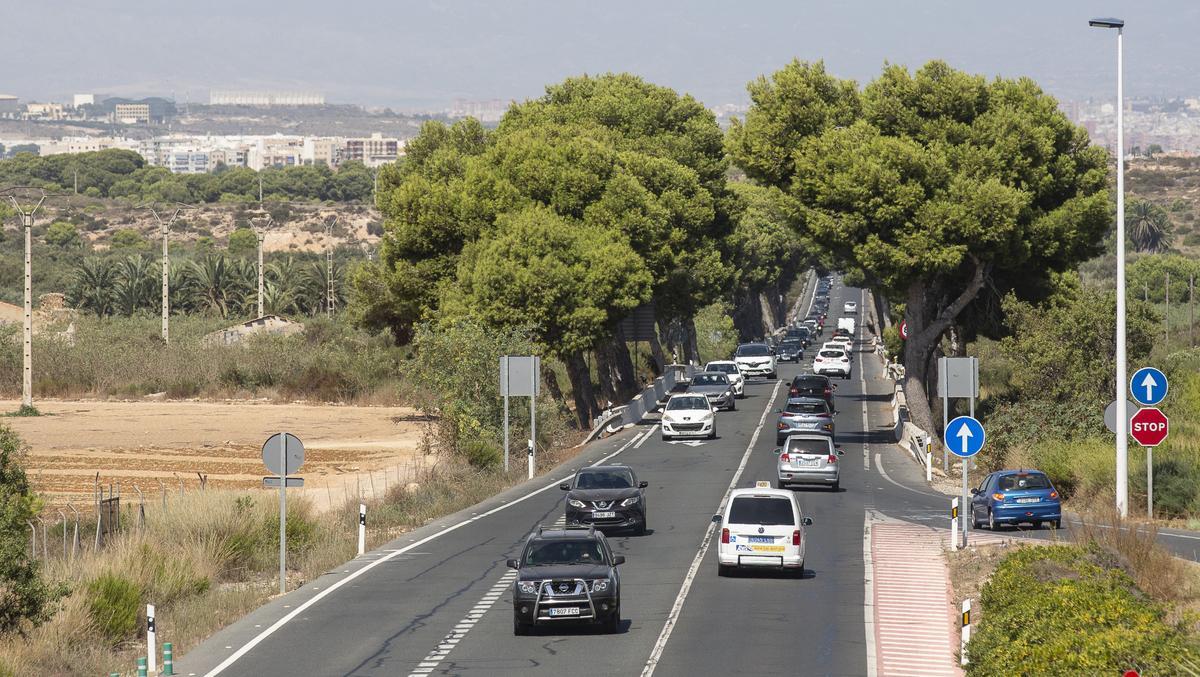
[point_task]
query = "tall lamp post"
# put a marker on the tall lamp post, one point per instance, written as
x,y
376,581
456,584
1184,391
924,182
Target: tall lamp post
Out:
x,y
1122,378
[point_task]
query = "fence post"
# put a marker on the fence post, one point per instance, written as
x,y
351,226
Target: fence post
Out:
x,y
141,507
362,527
63,515
168,659
32,539
151,635
162,489
45,545
75,537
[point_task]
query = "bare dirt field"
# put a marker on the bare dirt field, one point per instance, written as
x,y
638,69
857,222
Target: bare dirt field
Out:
x,y
161,446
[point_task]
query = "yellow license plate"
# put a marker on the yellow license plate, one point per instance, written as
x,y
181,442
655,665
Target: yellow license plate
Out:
x,y
767,548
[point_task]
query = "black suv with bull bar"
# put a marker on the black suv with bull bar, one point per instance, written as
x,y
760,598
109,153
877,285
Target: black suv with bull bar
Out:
x,y
566,575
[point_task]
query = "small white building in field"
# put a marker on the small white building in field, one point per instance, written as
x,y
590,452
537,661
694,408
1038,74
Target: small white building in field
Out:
x,y
267,324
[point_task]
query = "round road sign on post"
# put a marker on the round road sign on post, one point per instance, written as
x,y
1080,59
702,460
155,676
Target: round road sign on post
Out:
x,y
1148,386
904,330
293,452
1149,427
964,436
1110,415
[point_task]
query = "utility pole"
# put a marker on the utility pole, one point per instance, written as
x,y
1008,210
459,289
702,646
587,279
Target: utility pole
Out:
x,y
27,352
330,297
1167,313
1192,310
261,233
165,229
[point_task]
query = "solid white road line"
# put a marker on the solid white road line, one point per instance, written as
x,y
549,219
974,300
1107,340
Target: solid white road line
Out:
x,y
646,436
869,596
862,381
879,466
274,627
673,616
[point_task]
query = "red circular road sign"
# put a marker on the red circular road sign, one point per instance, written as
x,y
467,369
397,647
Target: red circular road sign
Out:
x,y
1131,673
904,330
1149,426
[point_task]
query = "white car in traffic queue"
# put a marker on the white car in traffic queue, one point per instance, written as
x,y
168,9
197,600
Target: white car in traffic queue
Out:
x,y
730,369
761,528
755,359
850,307
809,458
843,342
832,360
689,415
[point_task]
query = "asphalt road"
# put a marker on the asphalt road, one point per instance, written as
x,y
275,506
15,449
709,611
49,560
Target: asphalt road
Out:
x,y
437,600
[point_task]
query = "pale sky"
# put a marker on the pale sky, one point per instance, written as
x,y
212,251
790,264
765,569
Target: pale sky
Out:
x,y
421,54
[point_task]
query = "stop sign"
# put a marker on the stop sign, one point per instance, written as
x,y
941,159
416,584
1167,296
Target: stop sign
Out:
x,y
1149,427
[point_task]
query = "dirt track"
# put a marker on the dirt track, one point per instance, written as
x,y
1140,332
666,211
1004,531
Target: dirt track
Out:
x,y
143,443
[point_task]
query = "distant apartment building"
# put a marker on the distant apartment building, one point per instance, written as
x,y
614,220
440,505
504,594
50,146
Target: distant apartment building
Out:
x,y
132,113
227,97
85,144
80,100
323,150
189,161
10,106
44,111
373,151
276,151
484,111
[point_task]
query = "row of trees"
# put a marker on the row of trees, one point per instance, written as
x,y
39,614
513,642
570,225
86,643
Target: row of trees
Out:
x,y
606,194
116,173
215,284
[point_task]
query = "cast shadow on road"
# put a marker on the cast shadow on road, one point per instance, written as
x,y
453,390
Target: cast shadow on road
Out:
x,y
865,397
575,629
772,574
885,436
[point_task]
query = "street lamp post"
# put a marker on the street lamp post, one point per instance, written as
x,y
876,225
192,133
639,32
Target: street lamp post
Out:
x,y
1122,379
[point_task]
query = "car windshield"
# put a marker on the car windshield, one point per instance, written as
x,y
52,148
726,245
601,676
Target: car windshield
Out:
x,y
832,353
753,350
606,479
790,343
761,510
808,382
727,368
679,403
806,408
1022,482
564,552
803,446
710,380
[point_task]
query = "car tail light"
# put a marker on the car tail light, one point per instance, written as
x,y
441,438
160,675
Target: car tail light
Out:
x,y
1053,494
831,459
785,456
725,535
796,537
782,425
998,497
794,391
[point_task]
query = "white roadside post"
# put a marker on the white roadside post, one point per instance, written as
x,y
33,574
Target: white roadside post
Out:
x,y
954,523
966,631
151,646
928,461
362,528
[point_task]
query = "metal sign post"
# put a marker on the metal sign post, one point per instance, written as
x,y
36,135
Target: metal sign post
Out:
x,y
519,377
964,437
533,378
958,377
283,454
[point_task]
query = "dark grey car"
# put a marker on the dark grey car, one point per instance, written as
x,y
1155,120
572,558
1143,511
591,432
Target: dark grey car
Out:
x,y
607,496
804,415
716,387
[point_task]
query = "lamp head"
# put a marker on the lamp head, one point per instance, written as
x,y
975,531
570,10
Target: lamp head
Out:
x,y
1106,22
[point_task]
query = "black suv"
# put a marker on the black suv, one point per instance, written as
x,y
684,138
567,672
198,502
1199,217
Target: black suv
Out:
x,y
566,575
791,349
812,385
608,496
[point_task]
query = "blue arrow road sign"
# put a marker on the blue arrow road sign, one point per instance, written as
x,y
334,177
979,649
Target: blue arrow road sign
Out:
x,y
1148,386
964,436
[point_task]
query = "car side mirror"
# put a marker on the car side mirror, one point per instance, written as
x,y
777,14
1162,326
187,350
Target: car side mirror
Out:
x,y
716,519
512,564
834,387
564,487
618,560
974,492
778,411
840,452
806,521
777,451
643,484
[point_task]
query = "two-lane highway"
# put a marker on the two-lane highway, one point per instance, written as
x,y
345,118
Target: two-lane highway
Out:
x,y
438,602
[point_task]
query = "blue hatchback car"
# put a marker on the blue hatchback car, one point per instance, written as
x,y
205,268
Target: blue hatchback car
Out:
x,y
1015,497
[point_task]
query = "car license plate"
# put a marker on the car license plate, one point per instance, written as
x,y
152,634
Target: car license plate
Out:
x,y
768,548
810,463
762,539
564,611
1028,500
604,514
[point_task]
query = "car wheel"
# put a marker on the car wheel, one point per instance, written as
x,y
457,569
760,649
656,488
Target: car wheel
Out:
x,y
666,438
837,484
991,525
1057,524
520,628
732,405
713,434
613,624
975,523
641,530
773,375
724,570
799,573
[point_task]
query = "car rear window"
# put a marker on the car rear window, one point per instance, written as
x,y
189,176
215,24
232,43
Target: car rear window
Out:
x,y
723,368
806,408
802,446
1022,482
791,343
832,353
761,510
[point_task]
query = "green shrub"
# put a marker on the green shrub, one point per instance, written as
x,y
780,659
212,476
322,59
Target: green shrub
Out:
x,y
481,454
25,599
113,603
1175,481
1070,610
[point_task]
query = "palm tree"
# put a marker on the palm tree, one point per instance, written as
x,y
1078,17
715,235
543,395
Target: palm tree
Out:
x,y
1150,228
277,299
316,287
212,284
92,288
286,277
135,285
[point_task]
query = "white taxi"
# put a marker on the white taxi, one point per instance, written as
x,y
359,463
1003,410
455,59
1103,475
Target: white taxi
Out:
x,y
761,528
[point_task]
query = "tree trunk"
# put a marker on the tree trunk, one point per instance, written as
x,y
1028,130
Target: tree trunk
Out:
x,y
659,360
551,380
691,348
747,316
768,314
614,368
586,407
670,343
926,325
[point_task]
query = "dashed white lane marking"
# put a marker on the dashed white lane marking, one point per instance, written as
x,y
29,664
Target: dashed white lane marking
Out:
x,y
673,615
647,436
456,635
914,614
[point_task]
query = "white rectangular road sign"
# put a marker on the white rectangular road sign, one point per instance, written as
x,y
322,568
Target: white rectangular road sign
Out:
x,y
518,375
958,377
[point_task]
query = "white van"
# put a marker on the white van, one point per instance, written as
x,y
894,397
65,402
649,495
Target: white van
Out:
x,y
846,323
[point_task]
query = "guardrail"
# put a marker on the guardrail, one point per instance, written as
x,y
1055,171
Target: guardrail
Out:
x,y
646,402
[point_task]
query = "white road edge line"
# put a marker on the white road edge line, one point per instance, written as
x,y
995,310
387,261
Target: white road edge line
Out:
x,y
869,596
673,616
879,466
862,379
647,436
245,648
